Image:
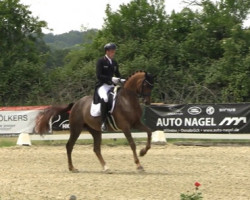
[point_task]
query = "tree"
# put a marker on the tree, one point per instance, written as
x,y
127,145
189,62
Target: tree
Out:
x,y
72,39
199,56
196,55
20,56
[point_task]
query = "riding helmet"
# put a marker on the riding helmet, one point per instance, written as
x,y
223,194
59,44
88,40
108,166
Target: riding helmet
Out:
x,y
110,46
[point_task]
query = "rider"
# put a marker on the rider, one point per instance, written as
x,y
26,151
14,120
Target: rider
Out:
x,y
108,74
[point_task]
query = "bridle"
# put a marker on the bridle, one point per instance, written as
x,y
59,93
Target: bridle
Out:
x,y
142,94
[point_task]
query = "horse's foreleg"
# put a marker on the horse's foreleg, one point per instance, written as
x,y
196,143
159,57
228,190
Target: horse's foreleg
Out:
x,y
97,136
142,127
133,147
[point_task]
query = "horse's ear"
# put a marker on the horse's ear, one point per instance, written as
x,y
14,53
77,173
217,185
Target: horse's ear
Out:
x,y
150,75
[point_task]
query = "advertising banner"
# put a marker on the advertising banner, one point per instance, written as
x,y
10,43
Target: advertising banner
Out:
x,y
199,118
186,118
15,120
60,122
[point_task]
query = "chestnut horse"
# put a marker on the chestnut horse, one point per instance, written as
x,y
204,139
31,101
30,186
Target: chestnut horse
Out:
x,y
127,114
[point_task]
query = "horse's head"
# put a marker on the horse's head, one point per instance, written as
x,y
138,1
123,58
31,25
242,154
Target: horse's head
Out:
x,y
142,84
146,88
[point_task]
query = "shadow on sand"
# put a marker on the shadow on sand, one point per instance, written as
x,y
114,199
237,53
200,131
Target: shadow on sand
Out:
x,y
140,173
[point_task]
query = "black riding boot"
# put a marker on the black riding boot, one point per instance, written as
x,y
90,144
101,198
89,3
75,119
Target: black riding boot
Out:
x,y
104,110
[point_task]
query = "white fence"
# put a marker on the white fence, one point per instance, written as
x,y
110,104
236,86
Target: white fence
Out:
x,y
144,135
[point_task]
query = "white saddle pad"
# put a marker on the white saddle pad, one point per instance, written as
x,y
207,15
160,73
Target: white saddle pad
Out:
x,y
95,109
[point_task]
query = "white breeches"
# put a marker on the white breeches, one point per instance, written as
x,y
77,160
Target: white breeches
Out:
x,y
103,91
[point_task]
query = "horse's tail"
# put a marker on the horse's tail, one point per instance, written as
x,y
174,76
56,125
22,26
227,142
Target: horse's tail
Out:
x,y
42,120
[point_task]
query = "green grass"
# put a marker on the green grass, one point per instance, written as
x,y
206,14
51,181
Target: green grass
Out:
x,y
109,142
11,141
7,142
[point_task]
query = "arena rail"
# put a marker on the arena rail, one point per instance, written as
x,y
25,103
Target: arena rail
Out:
x,y
144,135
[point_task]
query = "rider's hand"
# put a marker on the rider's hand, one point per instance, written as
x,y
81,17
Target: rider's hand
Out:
x,y
115,80
122,80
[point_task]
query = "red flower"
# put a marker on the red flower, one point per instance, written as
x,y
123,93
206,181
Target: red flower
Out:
x,y
197,184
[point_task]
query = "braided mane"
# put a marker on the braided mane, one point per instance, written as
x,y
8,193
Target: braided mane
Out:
x,y
138,71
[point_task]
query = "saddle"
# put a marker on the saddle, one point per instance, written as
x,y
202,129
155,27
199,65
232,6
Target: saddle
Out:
x,y
112,93
95,110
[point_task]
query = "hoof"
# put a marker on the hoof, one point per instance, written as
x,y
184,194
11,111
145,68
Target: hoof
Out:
x,y
143,152
106,170
140,169
74,170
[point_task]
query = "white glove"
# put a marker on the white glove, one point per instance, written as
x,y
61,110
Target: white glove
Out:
x,y
115,80
122,80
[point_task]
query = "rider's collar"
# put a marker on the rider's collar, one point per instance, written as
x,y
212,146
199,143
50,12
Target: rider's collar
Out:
x,y
108,59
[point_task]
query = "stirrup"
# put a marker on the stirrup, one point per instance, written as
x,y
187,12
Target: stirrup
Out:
x,y
104,127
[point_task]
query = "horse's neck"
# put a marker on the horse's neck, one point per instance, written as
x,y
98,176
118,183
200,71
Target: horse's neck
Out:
x,y
134,82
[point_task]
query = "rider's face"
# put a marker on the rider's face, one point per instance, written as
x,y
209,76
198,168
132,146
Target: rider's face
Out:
x,y
111,53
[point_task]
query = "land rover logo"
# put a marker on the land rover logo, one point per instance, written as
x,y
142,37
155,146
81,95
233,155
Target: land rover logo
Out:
x,y
210,110
194,110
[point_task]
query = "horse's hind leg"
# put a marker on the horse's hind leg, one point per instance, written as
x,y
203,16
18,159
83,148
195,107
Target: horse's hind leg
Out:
x,y
75,131
97,136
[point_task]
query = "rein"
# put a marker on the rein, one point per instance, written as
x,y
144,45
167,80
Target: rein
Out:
x,y
145,84
142,94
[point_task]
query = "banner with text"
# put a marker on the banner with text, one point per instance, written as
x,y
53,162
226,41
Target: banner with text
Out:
x,y
199,118
15,120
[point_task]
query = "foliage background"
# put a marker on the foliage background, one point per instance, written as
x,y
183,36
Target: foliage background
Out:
x,y
199,55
